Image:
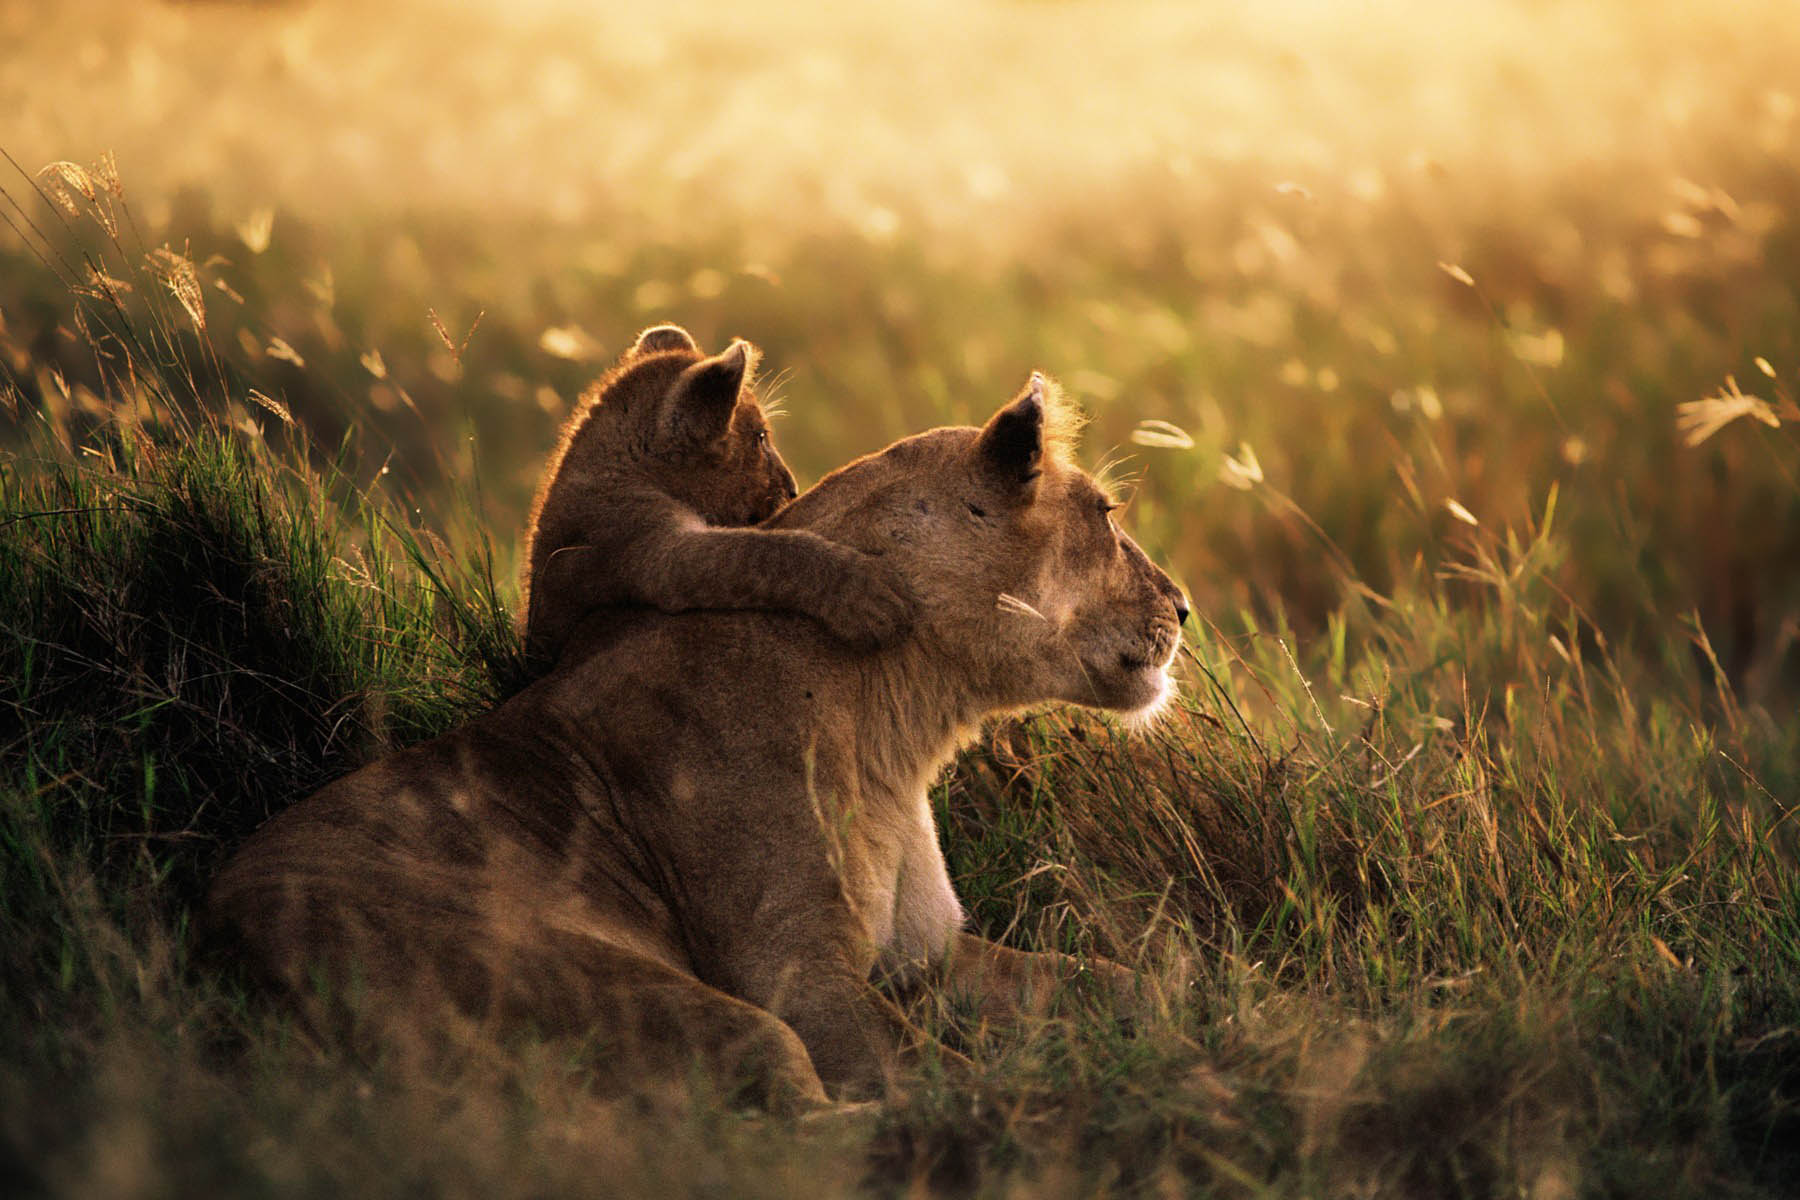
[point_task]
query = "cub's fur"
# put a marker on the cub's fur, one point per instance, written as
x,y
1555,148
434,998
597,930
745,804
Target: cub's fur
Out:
x,y
704,833
665,454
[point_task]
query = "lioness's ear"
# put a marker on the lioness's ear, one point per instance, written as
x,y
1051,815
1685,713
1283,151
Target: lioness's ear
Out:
x,y
702,399
659,338
1012,443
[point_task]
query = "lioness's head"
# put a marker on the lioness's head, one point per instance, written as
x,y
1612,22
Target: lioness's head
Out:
x,y
699,426
1024,578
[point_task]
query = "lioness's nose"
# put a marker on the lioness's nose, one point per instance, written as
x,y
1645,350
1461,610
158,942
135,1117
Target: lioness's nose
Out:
x,y
1177,597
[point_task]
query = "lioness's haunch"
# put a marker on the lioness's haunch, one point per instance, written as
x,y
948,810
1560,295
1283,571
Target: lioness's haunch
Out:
x,y
704,832
662,463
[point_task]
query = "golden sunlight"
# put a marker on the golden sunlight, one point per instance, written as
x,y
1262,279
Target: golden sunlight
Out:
x,y
985,120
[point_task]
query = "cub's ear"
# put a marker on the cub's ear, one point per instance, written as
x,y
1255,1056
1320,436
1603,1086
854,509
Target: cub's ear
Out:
x,y
1011,447
700,404
660,338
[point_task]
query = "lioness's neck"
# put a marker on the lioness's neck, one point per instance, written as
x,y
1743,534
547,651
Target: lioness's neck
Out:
x,y
912,714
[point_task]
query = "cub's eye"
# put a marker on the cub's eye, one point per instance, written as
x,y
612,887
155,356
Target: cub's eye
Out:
x,y
762,437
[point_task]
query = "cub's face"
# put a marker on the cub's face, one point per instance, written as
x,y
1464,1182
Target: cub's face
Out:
x,y
737,478
708,443
1023,574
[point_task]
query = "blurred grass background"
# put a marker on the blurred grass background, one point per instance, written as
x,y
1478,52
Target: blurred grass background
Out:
x,y
1228,222
1466,868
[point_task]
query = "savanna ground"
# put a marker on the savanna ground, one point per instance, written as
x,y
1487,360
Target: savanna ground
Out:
x,y
1463,867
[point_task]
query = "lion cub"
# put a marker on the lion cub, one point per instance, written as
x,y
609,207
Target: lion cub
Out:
x,y
664,461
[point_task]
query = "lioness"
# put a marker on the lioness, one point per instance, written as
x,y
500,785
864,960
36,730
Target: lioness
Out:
x,y
704,832
665,454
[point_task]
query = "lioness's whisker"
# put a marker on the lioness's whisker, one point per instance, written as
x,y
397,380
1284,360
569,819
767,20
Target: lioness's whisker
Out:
x,y
1012,604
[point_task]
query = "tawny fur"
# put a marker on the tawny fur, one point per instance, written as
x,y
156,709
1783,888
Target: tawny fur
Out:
x,y
705,833
663,463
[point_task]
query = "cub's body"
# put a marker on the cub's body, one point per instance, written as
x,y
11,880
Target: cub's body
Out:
x,y
647,497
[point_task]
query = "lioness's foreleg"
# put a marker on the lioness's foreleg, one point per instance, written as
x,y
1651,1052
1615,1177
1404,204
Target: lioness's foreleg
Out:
x,y
1002,984
854,1036
812,971
650,1021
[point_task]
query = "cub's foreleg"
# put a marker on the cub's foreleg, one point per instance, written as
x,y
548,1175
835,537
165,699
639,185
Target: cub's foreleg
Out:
x,y
852,594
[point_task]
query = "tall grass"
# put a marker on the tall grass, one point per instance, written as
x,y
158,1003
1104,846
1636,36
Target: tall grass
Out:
x,y
1463,867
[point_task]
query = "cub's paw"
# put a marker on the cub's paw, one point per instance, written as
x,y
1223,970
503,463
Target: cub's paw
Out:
x,y
869,606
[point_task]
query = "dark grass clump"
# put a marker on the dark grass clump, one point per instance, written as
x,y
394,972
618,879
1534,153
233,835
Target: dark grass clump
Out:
x,y
195,630
199,628
193,639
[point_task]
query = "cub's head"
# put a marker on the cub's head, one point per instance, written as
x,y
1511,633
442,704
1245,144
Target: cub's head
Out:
x,y
1028,586
697,426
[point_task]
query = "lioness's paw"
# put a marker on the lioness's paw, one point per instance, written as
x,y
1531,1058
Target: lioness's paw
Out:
x,y
1129,995
870,606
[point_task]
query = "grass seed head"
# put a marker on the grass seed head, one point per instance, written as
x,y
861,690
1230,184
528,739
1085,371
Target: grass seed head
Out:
x,y
1700,419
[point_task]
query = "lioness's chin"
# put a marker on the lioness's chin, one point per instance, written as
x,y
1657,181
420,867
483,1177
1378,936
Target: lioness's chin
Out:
x,y
1156,689
1138,692
1147,713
